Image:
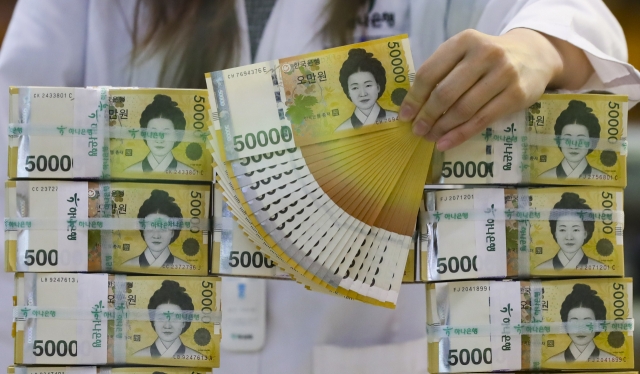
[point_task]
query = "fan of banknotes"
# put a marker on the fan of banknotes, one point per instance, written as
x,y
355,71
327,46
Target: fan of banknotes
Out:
x,y
316,167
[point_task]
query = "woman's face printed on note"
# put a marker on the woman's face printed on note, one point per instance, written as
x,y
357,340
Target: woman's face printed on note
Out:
x,y
157,239
570,233
578,315
168,329
363,90
571,135
161,147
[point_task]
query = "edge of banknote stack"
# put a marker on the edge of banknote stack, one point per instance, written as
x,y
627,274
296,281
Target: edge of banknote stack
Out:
x,y
83,196
524,258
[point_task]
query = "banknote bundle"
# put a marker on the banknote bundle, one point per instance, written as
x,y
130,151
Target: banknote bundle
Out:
x,y
125,227
572,324
564,139
108,133
104,370
100,319
554,232
316,167
235,254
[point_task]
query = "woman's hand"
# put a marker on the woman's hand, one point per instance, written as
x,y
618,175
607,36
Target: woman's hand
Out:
x,y
473,79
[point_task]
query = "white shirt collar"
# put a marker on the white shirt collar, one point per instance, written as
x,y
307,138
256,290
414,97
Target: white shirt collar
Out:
x,y
159,166
574,173
371,118
171,350
584,355
573,263
156,262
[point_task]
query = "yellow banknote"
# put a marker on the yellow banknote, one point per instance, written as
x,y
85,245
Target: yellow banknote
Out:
x,y
104,370
80,319
58,226
572,324
121,133
316,97
542,232
564,139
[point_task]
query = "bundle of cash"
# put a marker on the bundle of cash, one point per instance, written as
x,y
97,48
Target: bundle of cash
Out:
x,y
571,324
562,139
54,226
540,232
235,254
108,133
104,370
97,319
316,167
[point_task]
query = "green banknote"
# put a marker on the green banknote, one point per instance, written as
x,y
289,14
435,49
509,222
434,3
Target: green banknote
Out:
x,y
563,139
548,232
105,133
571,324
104,370
96,319
54,226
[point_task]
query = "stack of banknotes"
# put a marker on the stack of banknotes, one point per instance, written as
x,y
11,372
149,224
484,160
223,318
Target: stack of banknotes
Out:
x,y
235,254
317,169
106,370
108,229
558,299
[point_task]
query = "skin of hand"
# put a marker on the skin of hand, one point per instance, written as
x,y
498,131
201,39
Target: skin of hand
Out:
x,y
473,79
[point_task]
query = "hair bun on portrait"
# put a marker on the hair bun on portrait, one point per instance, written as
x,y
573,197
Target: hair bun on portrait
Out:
x,y
579,106
359,53
163,100
572,199
161,195
583,290
172,287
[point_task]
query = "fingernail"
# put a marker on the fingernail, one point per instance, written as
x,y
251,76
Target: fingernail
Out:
x,y
420,128
406,113
443,145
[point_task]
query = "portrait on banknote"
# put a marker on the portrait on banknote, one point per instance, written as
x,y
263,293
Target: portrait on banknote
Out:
x,y
363,80
570,231
582,304
164,116
169,299
577,131
159,206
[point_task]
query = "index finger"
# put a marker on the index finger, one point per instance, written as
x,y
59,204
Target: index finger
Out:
x,y
438,66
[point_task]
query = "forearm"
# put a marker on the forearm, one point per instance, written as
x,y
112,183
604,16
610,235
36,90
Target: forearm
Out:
x,y
569,66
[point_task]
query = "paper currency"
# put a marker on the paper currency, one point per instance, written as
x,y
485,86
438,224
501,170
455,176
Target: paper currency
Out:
x,y
562,139
54,226
316,97
324,194
572,324
108,133
233,252
104,370
540,232
80,319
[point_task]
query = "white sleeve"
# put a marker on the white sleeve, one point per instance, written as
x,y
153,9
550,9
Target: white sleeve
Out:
x,y
589,25
44,45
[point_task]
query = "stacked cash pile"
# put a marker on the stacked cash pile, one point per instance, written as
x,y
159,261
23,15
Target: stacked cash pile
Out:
x,y
567,305
106,370
89,204
316,168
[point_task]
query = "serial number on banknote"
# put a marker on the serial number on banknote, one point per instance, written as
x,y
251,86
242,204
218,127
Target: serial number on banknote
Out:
x,y
53,95
260,70
58,280
192,357
457,197
594,267
45,189
185,172
186,267
471,289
